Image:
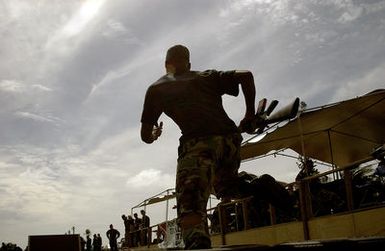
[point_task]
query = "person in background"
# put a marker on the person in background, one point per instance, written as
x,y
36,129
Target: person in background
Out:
x,y
137,224
145,227
113,235
88,243
131,223
126,230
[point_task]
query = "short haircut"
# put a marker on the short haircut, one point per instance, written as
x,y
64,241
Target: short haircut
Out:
x,y
178,52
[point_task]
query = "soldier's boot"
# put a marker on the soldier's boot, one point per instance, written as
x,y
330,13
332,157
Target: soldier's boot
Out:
x,y
194,231
197,240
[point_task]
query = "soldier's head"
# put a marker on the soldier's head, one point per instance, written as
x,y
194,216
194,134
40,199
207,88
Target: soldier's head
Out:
x,y
177,59
111,226
142,212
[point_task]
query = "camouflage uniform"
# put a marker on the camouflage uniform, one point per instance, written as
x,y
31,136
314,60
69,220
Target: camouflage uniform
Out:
x,y
205,165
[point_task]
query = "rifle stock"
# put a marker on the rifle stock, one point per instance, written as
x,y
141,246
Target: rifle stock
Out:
x,y
263,118
287,112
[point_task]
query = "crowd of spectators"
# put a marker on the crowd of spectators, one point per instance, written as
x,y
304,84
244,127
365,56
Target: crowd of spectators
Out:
x,y
137,230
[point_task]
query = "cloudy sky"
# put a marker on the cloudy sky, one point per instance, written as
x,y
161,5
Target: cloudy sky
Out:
x,y
73,75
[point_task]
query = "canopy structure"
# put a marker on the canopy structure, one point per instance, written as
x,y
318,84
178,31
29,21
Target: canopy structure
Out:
x,y
341,133
163,196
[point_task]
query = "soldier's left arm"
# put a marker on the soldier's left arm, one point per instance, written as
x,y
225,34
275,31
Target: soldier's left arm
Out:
x,y
246,80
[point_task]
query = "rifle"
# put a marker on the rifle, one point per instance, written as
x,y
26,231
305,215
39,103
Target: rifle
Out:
x,y
264,117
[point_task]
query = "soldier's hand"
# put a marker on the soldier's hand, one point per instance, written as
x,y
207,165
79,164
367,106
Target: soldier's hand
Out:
x,y
247,124
157,131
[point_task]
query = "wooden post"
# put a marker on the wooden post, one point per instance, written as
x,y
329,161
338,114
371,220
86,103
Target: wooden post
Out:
x,y
245,212
149,236
273,218
304,209
236,216
222,223
348,189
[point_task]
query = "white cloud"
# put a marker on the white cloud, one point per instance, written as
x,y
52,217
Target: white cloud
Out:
x,y
351,14
113,76
24,100
34,191
372,8
41,88
148,178
370,81
11,86
36,117
85,14
19,87
115,29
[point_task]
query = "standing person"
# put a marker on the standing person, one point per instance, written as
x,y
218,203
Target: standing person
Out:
x,y
131,224
145,227
209,149
100,243
137,224
126,230
95,242
113,235
88,243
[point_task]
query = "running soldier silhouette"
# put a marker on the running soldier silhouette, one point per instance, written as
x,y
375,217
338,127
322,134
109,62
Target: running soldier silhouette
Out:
x,y
209,149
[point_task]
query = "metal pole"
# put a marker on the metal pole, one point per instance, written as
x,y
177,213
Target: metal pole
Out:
x,y
304,209
167,207
335,175
301,135
222,223
245,213
210,201
348,189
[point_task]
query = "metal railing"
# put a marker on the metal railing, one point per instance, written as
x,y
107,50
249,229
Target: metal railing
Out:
x,y
235,215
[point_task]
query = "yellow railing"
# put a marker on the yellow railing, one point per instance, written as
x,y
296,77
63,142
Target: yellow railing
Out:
x,y
239,207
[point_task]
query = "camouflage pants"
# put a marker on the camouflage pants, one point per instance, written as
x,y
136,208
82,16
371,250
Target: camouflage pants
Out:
x,y
205,165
